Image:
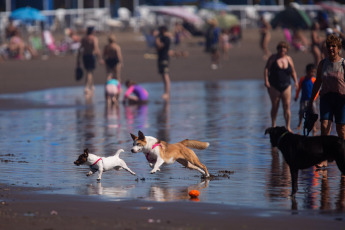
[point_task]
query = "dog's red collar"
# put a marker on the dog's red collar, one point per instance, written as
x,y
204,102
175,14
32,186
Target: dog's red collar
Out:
x,y
155,145
96,162
148,154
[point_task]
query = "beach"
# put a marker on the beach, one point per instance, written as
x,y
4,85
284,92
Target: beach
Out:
x,y
244,62
41,208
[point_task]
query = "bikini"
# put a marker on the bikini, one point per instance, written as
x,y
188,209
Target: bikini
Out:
x,y
280,78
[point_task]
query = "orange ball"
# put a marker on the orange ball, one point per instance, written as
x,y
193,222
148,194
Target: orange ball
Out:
x,y
194,193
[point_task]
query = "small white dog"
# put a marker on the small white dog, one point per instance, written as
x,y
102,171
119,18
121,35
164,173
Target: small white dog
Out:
x,y
101,164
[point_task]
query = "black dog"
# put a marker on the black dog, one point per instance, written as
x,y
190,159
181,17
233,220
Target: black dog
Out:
x,y
302,152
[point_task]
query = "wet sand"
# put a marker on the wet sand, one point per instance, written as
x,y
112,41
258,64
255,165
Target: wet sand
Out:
x,y
23,208
26,208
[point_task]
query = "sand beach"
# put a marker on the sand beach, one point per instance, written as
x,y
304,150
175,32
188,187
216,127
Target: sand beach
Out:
x,y
36,208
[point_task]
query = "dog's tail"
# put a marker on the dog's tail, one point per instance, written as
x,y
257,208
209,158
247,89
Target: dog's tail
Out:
x,y
195,144
118,152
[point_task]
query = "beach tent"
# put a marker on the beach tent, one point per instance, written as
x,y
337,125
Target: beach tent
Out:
x,y
226,21
179,12
333,6
27,14
292,18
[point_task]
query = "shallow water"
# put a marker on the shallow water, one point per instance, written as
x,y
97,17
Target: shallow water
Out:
x,y
38,146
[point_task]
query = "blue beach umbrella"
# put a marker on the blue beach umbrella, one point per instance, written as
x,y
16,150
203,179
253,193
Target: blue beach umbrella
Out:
x,y
27,14
214,5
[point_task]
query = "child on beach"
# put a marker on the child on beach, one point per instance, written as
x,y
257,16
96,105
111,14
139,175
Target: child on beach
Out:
x,y
306,85
112,91
135,93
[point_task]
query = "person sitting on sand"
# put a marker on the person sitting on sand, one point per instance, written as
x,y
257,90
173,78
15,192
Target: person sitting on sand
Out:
x,y
17,48
140,94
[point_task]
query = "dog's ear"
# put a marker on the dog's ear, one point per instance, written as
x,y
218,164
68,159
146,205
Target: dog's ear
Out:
x,y
268,130
86,152
141,135
134,137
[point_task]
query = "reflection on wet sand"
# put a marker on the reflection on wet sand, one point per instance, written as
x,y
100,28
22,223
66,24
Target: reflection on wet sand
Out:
x,y
315,183
165,193
231,115
279,183
116,192
136,116
85,123
162,122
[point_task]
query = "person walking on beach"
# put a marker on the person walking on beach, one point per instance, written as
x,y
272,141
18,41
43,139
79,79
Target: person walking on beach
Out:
x,y
112,56
316,43
330,75
162,42
305,85
212,42
89,50
278,71
265,38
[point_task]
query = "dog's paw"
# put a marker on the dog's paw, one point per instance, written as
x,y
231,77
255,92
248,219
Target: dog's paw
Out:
x,y
154,171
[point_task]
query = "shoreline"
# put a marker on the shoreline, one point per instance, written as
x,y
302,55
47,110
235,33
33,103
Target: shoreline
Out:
x,y
27,208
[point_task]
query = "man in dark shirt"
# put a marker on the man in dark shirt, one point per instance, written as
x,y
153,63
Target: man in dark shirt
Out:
x,y
162,42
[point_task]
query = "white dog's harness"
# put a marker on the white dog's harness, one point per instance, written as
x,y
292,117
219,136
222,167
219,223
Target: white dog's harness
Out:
x,y
148,154
91,166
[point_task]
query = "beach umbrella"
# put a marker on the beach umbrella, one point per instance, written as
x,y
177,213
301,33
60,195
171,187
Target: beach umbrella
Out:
x,y
179,12
333,6
226,21
292,18
214,5
27,14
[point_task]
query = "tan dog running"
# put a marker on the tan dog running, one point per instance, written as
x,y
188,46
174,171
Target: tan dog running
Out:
x,y
158,152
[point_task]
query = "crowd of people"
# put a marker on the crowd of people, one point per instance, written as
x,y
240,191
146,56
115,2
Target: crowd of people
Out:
x,y
37,43
323,84
327,68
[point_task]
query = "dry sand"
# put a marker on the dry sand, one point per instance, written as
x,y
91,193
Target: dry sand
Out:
x,y
23,208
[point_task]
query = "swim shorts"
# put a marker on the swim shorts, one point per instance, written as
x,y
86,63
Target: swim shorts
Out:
x,y
163,66
111,62
89,62
332,105
111,90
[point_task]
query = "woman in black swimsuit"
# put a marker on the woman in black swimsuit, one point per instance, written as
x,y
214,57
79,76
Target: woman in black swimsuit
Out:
x,y
278,71
113,59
